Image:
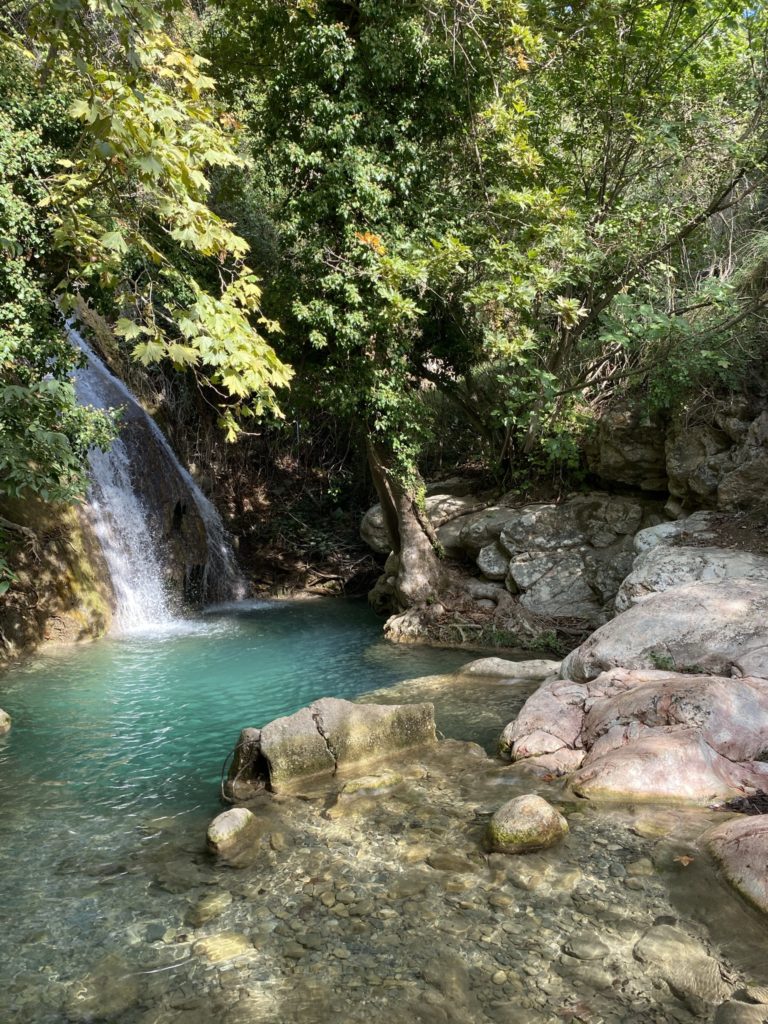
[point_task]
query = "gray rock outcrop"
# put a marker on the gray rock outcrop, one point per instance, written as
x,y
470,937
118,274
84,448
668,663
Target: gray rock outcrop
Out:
x,y
716,627
316,741
439,508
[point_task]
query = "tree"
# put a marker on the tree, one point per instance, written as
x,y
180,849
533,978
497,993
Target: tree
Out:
x,y
367,131
109,135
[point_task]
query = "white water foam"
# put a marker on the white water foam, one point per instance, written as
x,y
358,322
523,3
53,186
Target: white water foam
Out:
x,y
120,519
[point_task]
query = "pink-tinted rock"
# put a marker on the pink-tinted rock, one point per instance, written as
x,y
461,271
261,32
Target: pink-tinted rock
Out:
x,y
666,764
741,848
648,734
732,717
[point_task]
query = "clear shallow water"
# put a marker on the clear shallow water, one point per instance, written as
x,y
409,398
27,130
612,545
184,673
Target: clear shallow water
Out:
x,y
141,723
110,775
118,745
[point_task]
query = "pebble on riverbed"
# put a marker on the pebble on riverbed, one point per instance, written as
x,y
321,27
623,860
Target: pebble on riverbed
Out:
x,y
5,722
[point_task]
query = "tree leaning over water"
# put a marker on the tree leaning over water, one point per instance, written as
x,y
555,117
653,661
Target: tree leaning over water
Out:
x,y
463,191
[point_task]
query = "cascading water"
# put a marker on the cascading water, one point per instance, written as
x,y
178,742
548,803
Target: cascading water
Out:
x,y
123,521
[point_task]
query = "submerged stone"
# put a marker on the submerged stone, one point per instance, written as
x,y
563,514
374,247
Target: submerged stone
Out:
x,y
231,830
106,992
524,824
5,722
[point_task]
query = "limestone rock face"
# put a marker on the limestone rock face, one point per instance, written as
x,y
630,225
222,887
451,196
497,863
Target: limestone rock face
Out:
x,y
648,735
718,627
439,508
723,465
231,830
525,824
5,722
741,848
629,450
664,567
316,741
563,560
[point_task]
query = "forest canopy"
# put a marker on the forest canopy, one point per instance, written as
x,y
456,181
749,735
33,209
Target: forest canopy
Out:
x,y
520,213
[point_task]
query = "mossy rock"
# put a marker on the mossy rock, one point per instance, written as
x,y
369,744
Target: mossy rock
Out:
x,y
525,824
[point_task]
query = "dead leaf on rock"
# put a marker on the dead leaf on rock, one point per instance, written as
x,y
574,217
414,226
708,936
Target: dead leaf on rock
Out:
x,y
684,859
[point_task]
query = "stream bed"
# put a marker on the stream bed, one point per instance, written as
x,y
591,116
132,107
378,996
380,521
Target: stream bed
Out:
x,y
374,906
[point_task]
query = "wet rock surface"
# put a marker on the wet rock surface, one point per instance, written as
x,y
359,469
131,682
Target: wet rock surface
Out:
x,y
315,741
741,848
524,824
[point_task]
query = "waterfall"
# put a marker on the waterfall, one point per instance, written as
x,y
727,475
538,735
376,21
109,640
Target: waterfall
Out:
x,y
148,513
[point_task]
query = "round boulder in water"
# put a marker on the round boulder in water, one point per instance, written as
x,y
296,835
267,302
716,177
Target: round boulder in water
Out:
x,y
525,824
5,722
230,831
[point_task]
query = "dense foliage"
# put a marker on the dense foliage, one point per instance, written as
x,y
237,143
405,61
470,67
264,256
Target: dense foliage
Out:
x,y
521,212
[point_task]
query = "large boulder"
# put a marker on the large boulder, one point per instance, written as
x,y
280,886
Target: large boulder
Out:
x,y
525,824
568,560
663,567
740,846
648,734
318,740
715,627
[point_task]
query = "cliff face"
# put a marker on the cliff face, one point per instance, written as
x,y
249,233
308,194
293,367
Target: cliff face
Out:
x,y
62,593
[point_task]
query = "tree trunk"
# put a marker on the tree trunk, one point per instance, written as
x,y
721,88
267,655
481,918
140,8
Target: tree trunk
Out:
x,y
420,570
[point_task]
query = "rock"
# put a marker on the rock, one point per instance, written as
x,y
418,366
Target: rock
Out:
x,y
493,561
208,908
721,465
568,560
740,846
223,946
629,450
107,991
330,734
231,831
687,968
550,720
648,734
538,668
440,508
717,627
483,528
524,824
450,862
736,1012
697,525
663,567
5,722
586,946
665,764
